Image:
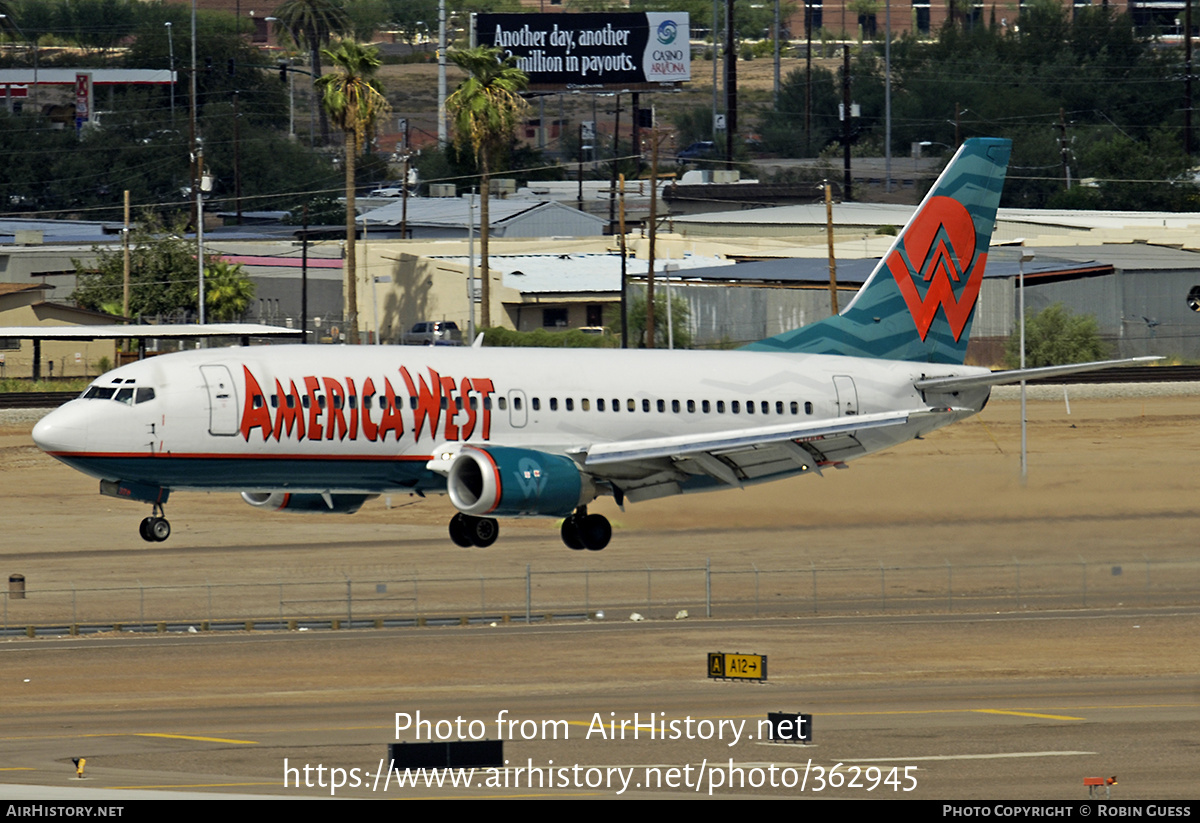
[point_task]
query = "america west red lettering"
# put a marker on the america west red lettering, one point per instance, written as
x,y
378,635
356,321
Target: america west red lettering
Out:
x,y
939,248
329,409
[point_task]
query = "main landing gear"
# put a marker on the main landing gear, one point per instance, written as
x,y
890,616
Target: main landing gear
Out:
x,y
586,531
467,531
156,528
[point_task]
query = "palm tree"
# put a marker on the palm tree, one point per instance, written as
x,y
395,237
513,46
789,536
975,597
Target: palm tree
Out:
x,y
312,24
355,103
227,291
486,107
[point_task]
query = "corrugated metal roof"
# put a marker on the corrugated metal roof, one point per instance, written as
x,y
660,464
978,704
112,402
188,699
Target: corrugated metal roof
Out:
x,y
454,212
560,273
883,214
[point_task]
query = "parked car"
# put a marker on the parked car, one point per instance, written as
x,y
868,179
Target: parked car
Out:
x,y
434,333
697,151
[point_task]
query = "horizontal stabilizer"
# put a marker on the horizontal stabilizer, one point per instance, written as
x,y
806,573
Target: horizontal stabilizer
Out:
x,y
1000,378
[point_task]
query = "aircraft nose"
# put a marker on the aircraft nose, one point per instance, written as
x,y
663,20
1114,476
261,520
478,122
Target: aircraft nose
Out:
x,y
63,430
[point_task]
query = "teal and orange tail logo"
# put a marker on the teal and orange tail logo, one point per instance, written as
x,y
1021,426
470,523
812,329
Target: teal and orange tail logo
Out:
x,y
918,303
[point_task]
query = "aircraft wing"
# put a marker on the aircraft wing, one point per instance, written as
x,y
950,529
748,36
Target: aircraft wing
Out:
x,y
656,467
999,378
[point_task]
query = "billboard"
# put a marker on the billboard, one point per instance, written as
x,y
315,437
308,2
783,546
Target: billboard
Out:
x,y
605,52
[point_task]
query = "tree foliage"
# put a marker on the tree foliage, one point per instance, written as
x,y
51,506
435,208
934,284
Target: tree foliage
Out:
x,y
1062,83
227,291
313,24
486,108
354,102
681,317
163,274
1056,336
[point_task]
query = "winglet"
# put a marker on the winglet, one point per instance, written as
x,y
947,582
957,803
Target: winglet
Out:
x,y
919,302
477,343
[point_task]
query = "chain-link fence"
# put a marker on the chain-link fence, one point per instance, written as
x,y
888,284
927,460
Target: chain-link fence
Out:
x,y
652,592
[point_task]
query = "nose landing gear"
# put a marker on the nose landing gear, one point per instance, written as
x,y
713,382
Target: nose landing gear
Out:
x,y
156,528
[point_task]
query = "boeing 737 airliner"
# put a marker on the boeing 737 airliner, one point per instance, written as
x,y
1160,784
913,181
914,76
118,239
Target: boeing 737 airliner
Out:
x,y
543,432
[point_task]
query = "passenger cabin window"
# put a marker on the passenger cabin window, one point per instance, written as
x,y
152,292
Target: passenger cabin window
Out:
x,y
599,401
720,407
503,402
570,401
553,400
808,408
662,406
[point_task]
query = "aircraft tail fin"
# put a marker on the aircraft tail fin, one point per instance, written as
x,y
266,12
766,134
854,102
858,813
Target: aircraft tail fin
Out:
x,y
919,302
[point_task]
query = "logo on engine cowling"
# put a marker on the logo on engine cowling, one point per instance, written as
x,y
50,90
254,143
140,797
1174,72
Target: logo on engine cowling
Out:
x,y
530,477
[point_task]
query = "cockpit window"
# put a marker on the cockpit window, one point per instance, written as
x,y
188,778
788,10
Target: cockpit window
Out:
x,y
127,394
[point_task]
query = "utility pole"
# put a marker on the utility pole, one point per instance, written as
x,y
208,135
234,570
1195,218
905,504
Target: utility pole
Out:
x,y
731,104
845,123
653,235
833,299
1187,90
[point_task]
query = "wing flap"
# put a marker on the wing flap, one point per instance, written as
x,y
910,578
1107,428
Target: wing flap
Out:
x,y
741,440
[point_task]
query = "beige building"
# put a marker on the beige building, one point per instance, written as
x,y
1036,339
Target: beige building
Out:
x,y
25,305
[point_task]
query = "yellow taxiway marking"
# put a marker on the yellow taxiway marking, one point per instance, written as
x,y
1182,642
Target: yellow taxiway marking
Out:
x,y
192,786
194,737
17,769
1029,714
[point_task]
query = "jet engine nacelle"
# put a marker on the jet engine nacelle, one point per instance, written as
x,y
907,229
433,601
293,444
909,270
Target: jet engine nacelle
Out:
x,y
516,482
307,503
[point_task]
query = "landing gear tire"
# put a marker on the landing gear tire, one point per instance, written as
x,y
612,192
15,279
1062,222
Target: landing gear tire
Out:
x,y
484,531
467,531
160,528
595,532
586,531
570,534
154,529
460,533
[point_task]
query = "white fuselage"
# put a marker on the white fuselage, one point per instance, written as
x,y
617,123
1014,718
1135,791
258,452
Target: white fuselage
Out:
x,y
367,419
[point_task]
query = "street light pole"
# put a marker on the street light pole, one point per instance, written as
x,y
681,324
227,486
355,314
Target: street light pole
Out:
x,y
171,49
1025,257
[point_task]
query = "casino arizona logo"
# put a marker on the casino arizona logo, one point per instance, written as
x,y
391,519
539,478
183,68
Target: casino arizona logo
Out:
x,y
938,249
331,409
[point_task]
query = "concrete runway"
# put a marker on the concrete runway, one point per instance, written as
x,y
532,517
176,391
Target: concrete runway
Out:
x,y
1018,705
